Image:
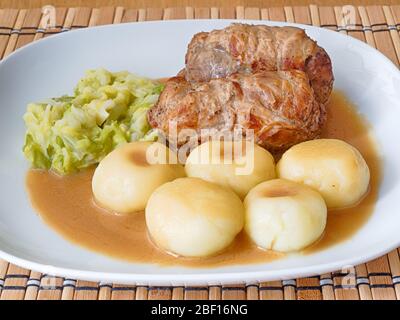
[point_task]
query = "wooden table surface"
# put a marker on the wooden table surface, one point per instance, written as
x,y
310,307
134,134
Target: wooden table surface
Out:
x,y
180,3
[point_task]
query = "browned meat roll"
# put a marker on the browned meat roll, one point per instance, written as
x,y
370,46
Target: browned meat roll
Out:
x,y
254,48
279,106
274,80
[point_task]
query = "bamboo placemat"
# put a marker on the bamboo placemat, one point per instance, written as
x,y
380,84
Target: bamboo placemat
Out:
x,y
379,26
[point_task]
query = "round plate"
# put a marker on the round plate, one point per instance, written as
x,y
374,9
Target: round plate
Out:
x,y
51,67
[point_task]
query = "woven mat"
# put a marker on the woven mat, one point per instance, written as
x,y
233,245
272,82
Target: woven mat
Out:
x,y
379,26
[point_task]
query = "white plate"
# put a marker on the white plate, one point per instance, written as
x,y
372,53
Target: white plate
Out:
x,y
52,66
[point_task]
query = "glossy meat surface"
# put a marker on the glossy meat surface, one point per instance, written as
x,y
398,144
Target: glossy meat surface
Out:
x,y
254,48
273,80
279,106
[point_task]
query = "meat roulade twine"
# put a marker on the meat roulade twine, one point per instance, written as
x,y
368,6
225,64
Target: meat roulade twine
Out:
x,y
273,80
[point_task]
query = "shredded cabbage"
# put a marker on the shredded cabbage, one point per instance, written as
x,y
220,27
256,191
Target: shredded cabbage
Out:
x,y
69,133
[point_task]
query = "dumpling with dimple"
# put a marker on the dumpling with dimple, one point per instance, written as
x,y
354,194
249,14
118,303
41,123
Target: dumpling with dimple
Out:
x,y
239,165
333,167
126,177
284,216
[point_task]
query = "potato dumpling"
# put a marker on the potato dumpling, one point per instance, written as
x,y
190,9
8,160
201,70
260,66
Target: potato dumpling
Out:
x,y
126,177
239,165
333,167
284,216
192,217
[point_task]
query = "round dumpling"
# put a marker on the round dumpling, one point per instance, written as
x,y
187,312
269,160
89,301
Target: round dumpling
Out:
x,y
192,217
126,177
284,216
239,165
333,167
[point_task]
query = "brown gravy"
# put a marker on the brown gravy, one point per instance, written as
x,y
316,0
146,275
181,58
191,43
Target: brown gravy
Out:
x,y
66,204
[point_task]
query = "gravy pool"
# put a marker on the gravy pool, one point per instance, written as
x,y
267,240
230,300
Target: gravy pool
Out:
x,y
66,204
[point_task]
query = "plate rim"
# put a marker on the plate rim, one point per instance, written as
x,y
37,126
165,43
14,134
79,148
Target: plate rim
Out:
x,y
198,278
174,279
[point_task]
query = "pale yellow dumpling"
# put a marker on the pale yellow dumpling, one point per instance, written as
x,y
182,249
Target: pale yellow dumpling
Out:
x,y
284,216
126,177
239,165
333,167
192,217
